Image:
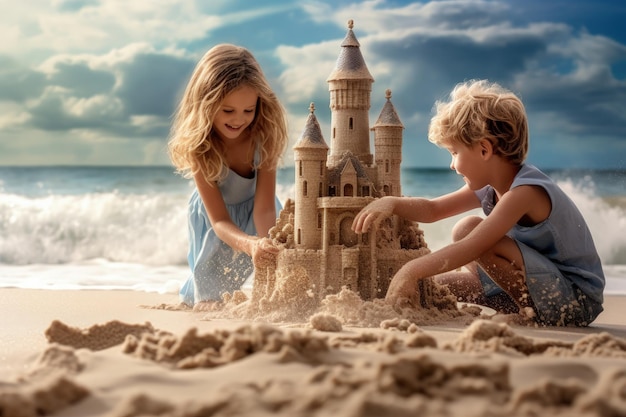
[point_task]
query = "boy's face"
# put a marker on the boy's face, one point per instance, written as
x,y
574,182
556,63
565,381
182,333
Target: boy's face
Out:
x,y
236,113
467,162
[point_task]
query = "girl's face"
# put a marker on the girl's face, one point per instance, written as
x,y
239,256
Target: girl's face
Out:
x,y
236,113
467,162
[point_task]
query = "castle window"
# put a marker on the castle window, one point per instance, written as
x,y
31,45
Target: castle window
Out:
x,y
321,168
351,123
304,188
386,189
350,278
348,190
332,191
299,236
300,168
366,191
319,220
334,130
321,190
387,166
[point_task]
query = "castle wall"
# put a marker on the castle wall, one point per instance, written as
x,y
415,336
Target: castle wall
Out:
x,y
388,262
309,260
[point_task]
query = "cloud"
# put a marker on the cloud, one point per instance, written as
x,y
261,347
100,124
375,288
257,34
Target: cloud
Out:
x,y
80,79
150,83
113,71
109,92
81,26
17,82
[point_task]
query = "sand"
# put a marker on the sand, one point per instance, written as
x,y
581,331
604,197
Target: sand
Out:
x,y
123,353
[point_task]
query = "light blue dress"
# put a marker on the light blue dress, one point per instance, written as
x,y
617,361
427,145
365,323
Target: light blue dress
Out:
x,y
215,267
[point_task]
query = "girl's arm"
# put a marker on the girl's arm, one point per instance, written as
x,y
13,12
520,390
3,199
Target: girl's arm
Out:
x,y
265,202
511,207
220,220
416,209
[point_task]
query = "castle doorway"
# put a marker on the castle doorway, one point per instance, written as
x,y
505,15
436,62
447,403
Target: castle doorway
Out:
x,y
346,236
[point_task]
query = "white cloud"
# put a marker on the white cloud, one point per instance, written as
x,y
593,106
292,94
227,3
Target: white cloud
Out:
x,y
12,115
35,26
306,70
98,106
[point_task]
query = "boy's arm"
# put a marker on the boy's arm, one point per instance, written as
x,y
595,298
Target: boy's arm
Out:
x,y
416,209
511,207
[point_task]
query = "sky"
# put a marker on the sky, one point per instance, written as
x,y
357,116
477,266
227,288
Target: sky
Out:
x,y
96,82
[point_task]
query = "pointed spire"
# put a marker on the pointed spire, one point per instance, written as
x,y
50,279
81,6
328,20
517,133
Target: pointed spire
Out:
x,y
312,135
350,63
388,115
350,39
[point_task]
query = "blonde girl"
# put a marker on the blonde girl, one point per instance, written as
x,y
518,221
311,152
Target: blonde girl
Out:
x,y
228,134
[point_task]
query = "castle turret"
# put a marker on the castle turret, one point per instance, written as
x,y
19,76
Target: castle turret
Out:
x,y
388,148
310,154
350,85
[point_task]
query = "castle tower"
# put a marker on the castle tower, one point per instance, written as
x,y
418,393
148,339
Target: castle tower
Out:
x,y
388,148
350,85
310,153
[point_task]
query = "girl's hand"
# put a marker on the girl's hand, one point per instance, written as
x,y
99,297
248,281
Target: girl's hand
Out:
x,y
375,211
403,292
264,252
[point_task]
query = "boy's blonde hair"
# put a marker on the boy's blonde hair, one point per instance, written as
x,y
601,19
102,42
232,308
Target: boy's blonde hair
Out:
x,y
479,109
193,146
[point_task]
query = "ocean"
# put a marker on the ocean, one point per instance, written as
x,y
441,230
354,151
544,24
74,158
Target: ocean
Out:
x,y
111,228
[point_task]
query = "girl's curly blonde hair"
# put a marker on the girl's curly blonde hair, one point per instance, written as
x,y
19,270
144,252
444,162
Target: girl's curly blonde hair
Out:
x,y
479,109
193,146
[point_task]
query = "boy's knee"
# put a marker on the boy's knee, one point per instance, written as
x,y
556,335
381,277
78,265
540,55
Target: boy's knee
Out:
x,y
464,226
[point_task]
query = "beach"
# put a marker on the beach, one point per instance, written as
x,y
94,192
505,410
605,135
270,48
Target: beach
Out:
x,y
130,353
92,259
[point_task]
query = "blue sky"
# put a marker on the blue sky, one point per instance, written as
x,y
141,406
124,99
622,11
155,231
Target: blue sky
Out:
x,y
91,82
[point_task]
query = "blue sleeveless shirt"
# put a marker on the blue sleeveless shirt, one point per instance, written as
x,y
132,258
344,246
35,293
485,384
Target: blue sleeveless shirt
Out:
x,y
563,237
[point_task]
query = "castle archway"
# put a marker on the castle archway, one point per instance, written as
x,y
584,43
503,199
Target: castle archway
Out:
x,y
346,236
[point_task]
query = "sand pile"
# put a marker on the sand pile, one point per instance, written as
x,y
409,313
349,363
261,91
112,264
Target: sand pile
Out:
x,y
47,388
398,369
290,298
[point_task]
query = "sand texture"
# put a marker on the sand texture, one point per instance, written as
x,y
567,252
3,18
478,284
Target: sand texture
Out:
x,y
131,354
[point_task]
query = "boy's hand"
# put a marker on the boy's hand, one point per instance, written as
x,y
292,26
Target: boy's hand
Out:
x,y
375,211
403,292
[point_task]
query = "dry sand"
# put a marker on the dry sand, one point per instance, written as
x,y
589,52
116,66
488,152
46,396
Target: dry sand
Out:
x,y
122,353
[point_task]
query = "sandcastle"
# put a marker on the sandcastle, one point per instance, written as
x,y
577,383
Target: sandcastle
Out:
x,y
313,231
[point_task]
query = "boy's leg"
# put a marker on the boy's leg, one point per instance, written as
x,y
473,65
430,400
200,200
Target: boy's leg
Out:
x,y
467,287
505,266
